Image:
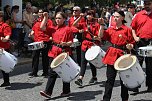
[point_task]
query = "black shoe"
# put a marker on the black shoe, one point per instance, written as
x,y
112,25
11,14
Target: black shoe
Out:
x,y
5,84
78,82
149,89
135,90
93,81
45,74
47,95
33,75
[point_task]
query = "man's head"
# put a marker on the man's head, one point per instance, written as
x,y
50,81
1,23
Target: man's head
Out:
x,y
76,11
148,5
119,17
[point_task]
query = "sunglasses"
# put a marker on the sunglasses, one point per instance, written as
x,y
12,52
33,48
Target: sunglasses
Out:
x,y
75,10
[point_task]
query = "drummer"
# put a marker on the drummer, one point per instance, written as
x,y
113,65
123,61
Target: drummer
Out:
x,y
40,36
5,33
122,40
62,39
142,34
91,37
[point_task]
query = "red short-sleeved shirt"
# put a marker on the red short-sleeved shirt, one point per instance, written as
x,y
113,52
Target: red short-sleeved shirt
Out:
x,y
40,35
142,23
113,36
61,34
5,30
94,29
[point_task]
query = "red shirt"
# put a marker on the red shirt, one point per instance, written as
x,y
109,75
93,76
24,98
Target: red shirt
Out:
x,y
94,29
40,35
142,23
79,25
113,36
61,34
5,30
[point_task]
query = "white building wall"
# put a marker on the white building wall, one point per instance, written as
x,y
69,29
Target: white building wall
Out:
x,y
12,3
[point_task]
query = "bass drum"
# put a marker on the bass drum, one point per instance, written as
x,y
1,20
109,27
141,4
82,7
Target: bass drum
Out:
x,y
65,67
145,51
94,55
7,61
130,70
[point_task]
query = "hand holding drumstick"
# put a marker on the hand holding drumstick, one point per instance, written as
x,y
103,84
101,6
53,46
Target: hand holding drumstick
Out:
x,y
128,45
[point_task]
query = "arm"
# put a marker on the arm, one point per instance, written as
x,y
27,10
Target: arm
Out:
x,y
101,29
5,39
77,20
136,38
44,21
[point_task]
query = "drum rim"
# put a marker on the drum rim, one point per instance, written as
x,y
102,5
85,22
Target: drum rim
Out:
x,y
35,42
122,57
54,60
95,56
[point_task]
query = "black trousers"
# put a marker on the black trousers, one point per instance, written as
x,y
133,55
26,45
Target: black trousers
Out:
x,y
78,49
51,82
84,65
5,75
111,75
45,59
148,61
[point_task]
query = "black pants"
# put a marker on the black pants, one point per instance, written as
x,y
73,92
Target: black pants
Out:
x,y
84,65
148,62
78,49
111,75
5,75
45,59
51,82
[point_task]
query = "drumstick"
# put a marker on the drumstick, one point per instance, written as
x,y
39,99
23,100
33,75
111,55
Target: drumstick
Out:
x,y
120,36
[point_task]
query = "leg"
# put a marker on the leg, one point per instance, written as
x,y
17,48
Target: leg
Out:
x,y
6,79
82,69
66,88
93,80
124,92
45,61
35,62
148,61
111,75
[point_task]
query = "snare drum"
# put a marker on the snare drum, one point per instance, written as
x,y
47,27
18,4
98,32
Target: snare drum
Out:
x,y
94,55
145,51
36,45
65,67
130,71
7,61
75,43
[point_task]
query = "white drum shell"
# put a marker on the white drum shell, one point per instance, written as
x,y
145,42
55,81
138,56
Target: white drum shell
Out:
x,y
7,61
68,70
145,51
132,77
97,59
35,46
75,43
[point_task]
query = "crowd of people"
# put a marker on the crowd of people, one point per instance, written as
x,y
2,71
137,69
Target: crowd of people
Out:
x,y
126,30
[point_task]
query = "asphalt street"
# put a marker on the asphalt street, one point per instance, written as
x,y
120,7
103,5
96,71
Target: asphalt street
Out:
x,y
24,88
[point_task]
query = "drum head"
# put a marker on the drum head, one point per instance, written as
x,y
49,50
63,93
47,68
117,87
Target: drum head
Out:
x,y
146,48
125,62
58,60
92,53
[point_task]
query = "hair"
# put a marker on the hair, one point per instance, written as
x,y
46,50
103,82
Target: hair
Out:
x,y
91,12
62,14
77,7
5,7
14,7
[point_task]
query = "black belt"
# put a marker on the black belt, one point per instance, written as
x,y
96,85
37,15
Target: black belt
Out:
x,y
119,47
60,46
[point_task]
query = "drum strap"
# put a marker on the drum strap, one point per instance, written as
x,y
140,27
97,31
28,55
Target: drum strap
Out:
x,y
119,47
60,46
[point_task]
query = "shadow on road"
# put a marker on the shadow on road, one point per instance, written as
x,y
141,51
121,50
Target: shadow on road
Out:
x,y
19,86
117,83
79,96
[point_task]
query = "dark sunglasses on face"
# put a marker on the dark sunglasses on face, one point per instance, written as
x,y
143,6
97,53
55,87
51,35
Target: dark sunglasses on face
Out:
x,y
75,10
